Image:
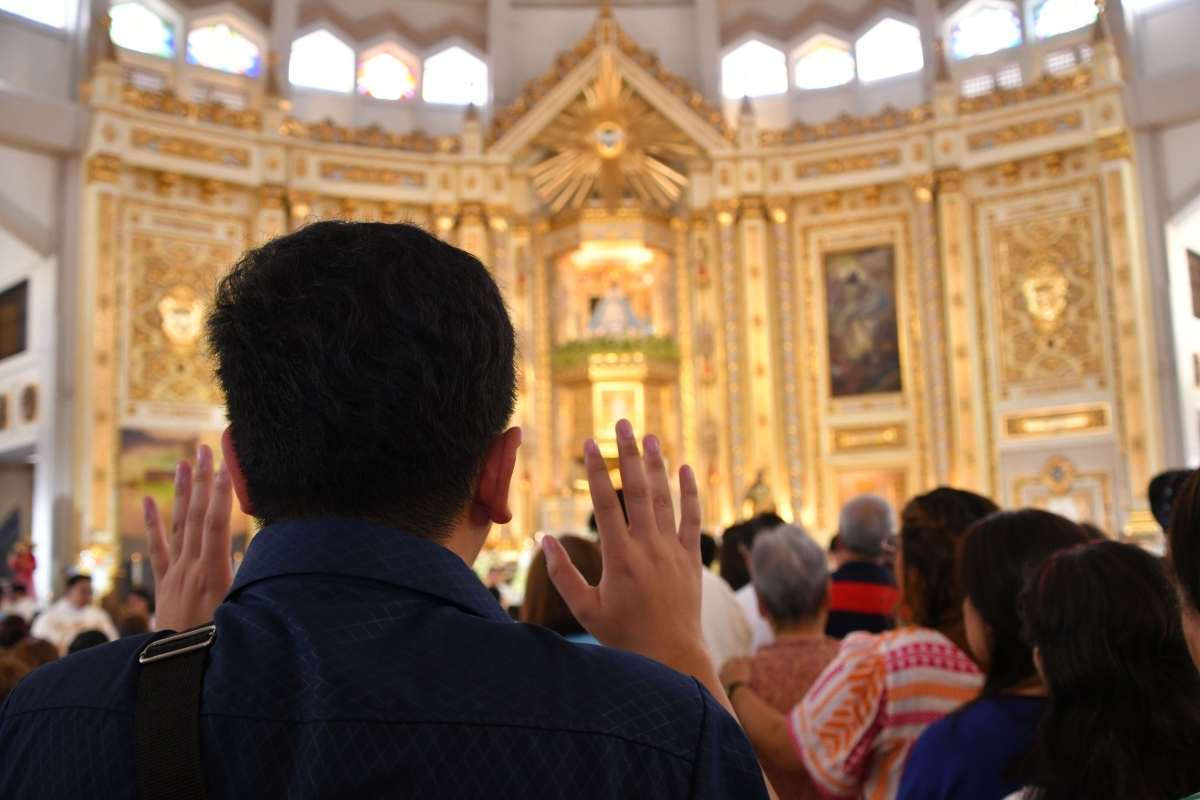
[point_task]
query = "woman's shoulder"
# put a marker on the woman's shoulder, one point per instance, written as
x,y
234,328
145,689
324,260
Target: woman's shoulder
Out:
x,y
923,648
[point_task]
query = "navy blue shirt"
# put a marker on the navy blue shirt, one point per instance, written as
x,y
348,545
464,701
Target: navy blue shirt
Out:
x,y
863,597
355,660
970,755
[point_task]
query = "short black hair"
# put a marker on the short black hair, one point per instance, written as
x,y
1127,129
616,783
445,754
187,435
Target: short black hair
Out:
x,y
1183,537
1162,491
708,549
142,593
367,368
77,578
85,640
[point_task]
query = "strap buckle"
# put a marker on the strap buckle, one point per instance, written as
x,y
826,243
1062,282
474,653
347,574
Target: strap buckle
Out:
x,y
184,642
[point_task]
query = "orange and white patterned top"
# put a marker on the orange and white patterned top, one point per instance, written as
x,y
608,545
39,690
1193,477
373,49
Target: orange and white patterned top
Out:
x,y
854,728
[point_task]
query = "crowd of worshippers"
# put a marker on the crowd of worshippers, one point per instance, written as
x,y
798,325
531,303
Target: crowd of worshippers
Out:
x,y
958,653
952,650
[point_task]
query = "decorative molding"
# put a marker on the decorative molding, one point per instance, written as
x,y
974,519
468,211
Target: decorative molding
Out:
x,y
193,149
868,437
890,119
1116,146
353,173
329,132
845,164
166,102
1083,420
1048,86
1021,131
104,168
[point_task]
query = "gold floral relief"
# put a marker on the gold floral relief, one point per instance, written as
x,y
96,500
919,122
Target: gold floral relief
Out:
x,y
171,281
1045,282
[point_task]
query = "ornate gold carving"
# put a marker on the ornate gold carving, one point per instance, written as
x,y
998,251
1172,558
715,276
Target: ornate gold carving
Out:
x,y
182,313
949,180
606,31
889,119
329,132
839,166
869,437
194,149
102,383
29,403
1045,277
612,142
1020,131
166,315
104,168
1058,475
1048,86
272,195
1075,421
165,102
1045,290
1116,146
350,173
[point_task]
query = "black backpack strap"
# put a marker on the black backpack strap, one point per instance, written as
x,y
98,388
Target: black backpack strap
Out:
x,y
166,721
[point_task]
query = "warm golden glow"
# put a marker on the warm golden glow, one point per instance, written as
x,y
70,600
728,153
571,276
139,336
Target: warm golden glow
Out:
x,y
632,254
613,143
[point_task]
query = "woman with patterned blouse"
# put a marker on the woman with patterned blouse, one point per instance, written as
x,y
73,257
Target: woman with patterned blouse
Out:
x,y
853,730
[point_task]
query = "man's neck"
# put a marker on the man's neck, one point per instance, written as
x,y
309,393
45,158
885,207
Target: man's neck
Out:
x,y
859,558
801,630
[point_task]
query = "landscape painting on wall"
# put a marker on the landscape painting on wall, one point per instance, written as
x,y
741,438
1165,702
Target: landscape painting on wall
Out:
x,y
864,345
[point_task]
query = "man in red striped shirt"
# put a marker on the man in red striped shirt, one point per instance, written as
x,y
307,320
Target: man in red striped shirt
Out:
x,y
864,591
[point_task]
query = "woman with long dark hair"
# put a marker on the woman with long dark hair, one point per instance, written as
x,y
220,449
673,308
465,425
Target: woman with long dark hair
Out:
x,y
974,753
853,730
1123,717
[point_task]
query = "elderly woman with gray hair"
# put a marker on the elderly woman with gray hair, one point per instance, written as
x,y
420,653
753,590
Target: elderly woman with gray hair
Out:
x,y
791,579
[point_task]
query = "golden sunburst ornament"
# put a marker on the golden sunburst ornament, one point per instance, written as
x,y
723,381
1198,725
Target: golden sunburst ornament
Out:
x,y
611,142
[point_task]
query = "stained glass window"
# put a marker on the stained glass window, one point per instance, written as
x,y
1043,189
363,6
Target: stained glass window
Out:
x,y
387,77
753,70
988,30
221,47
47,12
136,27
320,60
890,48
1052,17
823,66
455,76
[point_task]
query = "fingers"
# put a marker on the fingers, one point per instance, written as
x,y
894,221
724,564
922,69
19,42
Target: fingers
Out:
x,y
638,505
575,591
179,509
660,488
610,521
689,510
156,540
197,510
215,545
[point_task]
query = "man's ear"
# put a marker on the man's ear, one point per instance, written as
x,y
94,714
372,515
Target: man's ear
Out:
x,y
495,480
229,455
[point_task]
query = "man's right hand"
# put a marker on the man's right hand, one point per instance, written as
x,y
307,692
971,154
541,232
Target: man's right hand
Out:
x,y
192,569
648,598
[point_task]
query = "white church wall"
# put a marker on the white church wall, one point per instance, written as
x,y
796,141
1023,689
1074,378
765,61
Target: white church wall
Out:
x,y
1183,236
1167,36
34,57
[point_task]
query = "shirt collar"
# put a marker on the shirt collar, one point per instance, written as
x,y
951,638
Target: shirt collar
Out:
x,y
353,548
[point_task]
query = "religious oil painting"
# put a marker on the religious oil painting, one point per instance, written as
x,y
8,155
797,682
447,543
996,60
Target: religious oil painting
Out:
x,y
147,468
864,344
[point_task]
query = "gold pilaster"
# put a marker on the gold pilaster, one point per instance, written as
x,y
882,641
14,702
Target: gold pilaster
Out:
x,y
731,337
790,457
687,360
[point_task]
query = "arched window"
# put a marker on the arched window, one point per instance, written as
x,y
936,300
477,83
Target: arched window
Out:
x,y
321,60
455,76
384,74
822,62
136,27
1052,17
753,70
47,12
988,30
890,48
220,47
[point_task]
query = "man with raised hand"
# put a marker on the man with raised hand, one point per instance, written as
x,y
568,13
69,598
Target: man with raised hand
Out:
x,y
368,371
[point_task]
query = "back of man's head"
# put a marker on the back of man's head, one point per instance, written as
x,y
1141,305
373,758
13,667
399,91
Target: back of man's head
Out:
x,y
866,523
367,369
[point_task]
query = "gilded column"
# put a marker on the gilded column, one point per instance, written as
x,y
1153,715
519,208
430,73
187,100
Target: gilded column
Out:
x,y
731,341
932,315
685,336
1140,436
537,380
967,437
708,351
99,312
472,233
791,457
520,303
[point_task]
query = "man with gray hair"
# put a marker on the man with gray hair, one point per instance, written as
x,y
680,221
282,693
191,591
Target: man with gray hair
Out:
x,y
864,593
791,579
